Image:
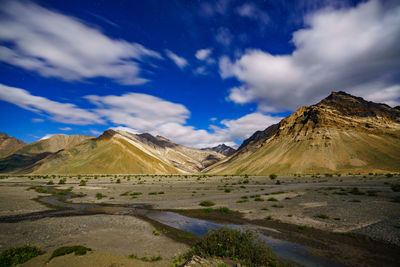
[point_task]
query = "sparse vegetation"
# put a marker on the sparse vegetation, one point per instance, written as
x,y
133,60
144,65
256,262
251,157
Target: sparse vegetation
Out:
x,y
100,195
207,203
19,255
78,250
273,176
236,245
272,199
322,216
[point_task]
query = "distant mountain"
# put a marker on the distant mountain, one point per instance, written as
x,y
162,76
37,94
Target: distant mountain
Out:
x,y
342,133
28,154
222,149
112,152
9,144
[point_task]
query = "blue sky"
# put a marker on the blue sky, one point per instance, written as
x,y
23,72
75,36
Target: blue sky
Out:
x,y
198,72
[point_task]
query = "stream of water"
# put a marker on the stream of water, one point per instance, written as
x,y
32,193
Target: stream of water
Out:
x,y
283,249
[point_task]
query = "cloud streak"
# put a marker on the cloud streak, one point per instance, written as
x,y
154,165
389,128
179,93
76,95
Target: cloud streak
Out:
x,y
138,113
56,45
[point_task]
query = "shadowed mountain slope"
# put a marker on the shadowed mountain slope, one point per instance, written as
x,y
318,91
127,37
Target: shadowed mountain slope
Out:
x,y
9,144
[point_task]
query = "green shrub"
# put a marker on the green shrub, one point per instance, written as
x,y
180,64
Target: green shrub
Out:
x,y
15,256
207,203
78,250
82,183
100,195
224,210
302,227
322,216
272,199
62,181
237,245
356,191
258,199
50,182
207,210
273,176
395,187
388,175
227,190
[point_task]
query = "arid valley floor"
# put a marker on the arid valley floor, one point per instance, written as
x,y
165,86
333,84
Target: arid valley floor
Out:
x,y
351,220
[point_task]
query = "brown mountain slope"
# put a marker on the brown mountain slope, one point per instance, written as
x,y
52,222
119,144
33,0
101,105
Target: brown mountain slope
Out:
x,y
222,149
9,144
29,154
123,152
53,144
109,153
342,133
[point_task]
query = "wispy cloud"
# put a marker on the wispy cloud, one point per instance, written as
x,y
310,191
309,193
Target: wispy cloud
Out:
x,y
57,111
65,128
179,61
138,113
56,45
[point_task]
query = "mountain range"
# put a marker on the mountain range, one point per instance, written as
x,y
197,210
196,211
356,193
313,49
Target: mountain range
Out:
x,y
342,133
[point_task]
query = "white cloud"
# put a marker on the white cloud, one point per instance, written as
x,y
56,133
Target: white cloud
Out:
x,y
95,132
47,136
351,49
65,128
203,54
225,67
214,7
249,10
138,113
126,129
224,36
57,111
57,45
179,61
37,120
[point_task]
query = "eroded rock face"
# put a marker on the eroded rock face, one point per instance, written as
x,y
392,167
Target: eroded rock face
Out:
x,y
340,132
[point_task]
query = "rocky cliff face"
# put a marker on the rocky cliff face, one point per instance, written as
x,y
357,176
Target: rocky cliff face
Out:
x,y
342,132
222,149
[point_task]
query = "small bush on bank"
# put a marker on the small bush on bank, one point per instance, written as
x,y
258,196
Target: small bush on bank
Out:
x,y
207,203
236,245
78,250
15,256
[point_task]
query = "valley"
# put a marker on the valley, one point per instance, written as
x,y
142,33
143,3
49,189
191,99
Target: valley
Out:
x,y
330,216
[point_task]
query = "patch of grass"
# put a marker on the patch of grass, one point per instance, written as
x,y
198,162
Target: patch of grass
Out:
x,y
133,257
156,258
78,250
258,199
207,203
272,199
155,233
236,245
302,227
152,193
396,199
100,195
322,216
356,191
207,210
19,255
224,210
269,218
395,187
273,176
372,193
340,193
50,182
277,206
242,201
